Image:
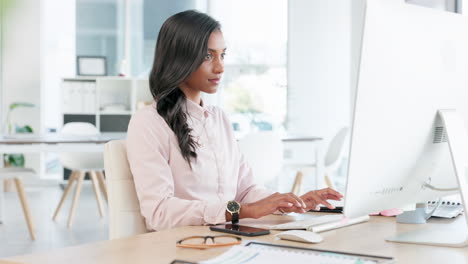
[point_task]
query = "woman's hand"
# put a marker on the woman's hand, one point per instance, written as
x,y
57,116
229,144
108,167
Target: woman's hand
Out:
x,y
287,202
313,199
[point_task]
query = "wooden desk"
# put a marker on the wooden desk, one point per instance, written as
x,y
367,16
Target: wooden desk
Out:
x,y
159,247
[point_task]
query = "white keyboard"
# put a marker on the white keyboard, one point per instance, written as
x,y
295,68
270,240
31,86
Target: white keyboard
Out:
x,y
321,223
338,224
304,224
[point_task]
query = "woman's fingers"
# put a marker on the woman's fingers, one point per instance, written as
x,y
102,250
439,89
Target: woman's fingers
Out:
x,y
289,202
314,198
299,201
330,197
329,191
284,204
292,198
292,210
297,204
327,204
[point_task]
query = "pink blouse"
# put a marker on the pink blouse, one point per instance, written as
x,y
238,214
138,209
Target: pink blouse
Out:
x,y
170,193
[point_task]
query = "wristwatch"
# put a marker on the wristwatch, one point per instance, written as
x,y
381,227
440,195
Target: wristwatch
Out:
x,y
233,208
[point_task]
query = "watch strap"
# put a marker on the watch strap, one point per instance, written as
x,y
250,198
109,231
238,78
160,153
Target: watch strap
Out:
x,y
235,218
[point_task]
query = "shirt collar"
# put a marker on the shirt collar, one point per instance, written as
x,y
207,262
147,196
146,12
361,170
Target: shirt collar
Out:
x,y
197,110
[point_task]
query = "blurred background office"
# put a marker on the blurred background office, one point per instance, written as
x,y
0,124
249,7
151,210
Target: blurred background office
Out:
x,y
287,70
291,69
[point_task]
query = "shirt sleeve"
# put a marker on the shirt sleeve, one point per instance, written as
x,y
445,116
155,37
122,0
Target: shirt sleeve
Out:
x,y
148,151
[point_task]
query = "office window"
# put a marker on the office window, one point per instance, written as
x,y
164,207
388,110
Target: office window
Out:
x,y
99,30
447,5
255,82
146,18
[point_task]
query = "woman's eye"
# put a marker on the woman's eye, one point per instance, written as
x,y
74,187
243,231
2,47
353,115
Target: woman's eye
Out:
x,y
208,56
223,55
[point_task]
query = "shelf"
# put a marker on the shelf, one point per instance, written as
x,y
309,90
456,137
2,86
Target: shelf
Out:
x,y
80,79
79,113
107,102
116,113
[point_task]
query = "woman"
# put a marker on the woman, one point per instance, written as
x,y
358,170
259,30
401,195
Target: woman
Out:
x,y
183,154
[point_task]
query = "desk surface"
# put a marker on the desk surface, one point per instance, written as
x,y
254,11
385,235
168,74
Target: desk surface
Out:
x,y
159,247
60,138
101,138
300,139
29,143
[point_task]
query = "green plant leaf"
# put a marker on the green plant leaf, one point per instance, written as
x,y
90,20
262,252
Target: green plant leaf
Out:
x,y
20,104
23,129
16,160
13,160
5,6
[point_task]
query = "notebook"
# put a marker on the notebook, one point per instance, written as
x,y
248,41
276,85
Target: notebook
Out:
x,y
258,252
447,209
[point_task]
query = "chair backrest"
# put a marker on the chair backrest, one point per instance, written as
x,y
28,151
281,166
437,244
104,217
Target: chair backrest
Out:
x,y
125,218
79,129
81,161
264,153
336,148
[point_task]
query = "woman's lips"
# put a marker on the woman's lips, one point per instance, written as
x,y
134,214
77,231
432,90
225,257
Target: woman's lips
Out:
x,y
215,81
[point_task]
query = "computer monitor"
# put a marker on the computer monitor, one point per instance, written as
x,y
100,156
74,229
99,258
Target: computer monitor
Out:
x,y
412,87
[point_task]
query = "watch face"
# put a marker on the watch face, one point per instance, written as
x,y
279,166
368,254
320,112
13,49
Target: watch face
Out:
x,y
233,206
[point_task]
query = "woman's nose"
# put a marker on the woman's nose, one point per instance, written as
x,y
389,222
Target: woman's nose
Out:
x,y
219,66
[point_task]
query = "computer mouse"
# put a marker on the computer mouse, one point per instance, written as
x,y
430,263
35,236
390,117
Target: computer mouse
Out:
x,y
301,236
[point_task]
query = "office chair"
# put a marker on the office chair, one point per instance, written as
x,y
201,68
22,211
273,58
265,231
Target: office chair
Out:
x,y
79,164
332,161
15,174
334,155
264,153
125,218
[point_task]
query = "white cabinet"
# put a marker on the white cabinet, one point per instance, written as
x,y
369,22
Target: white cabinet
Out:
x,y
79,97
107,102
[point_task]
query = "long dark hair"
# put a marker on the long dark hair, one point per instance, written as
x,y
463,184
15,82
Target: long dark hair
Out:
x,y
181,48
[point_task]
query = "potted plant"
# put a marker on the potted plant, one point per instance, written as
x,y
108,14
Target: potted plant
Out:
x,y
14,159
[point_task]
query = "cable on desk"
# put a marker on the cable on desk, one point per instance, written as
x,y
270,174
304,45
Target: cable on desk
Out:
x,y
432,187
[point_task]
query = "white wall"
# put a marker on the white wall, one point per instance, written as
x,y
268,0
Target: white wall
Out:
x,y
319,69
38,40
21,65
319,55
38,50
58,39
21,59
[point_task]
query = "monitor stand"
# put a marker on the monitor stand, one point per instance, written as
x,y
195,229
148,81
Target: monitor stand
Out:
x,y
444,235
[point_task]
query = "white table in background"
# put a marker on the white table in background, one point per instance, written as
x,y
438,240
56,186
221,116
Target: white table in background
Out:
x,y
56,143
30,143
316,156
